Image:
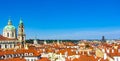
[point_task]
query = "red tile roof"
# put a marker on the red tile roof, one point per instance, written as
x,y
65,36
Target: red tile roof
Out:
x,y
14,59
43,59
2,38
20,51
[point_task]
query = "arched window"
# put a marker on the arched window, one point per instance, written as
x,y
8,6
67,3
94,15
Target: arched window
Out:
x,y
22,30
7,34
22,38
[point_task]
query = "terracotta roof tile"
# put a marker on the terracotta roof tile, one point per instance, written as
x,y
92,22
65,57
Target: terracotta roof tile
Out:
x,y
2,38
43,59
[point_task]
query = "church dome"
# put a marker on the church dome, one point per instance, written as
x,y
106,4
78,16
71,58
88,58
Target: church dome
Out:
x,y
9,26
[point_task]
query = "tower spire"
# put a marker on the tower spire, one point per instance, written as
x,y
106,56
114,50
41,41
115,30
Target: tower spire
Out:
x,y
21,21
35,40
21,34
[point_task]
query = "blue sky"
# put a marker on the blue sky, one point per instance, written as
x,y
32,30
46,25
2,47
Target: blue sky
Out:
x,y
64,19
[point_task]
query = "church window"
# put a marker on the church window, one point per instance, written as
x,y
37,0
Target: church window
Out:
x,y
7,34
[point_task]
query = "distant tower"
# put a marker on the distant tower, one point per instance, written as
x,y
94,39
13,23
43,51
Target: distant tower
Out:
x,y
58,42
35,41
9,30
21,34
45,42
103,39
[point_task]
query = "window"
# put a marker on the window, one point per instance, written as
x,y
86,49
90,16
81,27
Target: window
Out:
x,y
32,59
25,54
5,46
30,54
22,38
22,30
10,46
27,59
7,34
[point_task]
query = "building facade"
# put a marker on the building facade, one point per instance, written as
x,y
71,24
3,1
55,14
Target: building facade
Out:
x,y
9,39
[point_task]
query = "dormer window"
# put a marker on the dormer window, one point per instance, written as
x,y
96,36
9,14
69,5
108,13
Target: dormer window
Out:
x,y
22,55
26,54
30,54
2,57
16,55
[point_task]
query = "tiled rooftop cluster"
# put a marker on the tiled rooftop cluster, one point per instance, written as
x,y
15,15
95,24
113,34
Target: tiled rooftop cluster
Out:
x,y
64,51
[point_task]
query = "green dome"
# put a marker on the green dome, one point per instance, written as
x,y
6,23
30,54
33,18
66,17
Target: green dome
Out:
x,y
9,27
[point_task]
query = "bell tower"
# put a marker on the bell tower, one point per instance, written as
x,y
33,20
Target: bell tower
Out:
x,y
21,33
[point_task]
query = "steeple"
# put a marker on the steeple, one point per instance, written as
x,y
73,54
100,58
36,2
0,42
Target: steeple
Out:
x,y
21,22
45,42
35,41
103,39
21,34
58,42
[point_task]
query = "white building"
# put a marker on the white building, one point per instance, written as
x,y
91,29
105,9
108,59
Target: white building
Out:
x,y
7,43
9,39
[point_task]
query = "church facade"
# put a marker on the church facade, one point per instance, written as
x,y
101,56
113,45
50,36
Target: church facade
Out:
x,y
12,37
